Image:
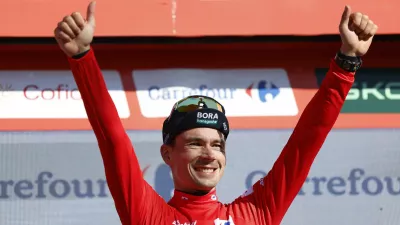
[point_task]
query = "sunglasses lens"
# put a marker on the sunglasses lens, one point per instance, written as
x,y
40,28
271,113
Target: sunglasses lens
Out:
x,y
193,103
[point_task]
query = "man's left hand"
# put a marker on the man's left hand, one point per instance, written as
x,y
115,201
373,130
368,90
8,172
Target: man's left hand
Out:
x,y
356,32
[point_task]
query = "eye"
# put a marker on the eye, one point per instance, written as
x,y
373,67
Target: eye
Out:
x,y
195,144
219,146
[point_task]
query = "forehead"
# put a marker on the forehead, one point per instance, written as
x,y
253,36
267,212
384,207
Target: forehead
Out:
x,y
201,133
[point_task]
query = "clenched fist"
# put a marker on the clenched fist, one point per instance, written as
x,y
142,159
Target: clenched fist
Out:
x,y
356,31
74,34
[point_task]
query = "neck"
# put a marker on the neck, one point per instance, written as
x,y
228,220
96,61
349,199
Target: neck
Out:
x,y
194,192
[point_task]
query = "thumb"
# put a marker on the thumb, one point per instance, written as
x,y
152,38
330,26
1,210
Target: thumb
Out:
x,y
345,16
90,13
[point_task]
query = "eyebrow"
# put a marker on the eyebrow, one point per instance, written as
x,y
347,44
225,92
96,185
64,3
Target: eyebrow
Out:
x,y
189,139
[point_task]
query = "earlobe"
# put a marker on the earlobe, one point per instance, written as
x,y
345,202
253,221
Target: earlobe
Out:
x,y
165,150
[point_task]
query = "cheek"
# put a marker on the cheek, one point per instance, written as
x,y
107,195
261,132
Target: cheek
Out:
x,y
185,156
181,161
222,159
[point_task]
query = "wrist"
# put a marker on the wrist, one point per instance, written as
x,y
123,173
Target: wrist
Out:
x,y
347,52
82,52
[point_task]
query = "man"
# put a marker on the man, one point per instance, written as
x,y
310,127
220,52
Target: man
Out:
x,y
194,138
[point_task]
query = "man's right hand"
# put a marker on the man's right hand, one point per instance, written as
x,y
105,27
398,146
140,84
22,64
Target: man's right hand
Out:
x,y
74,34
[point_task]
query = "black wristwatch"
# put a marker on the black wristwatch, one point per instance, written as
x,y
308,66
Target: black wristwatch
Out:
x,y
348,63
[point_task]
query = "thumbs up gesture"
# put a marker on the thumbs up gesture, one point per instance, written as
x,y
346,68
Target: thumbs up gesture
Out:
x,y
356,32
74,33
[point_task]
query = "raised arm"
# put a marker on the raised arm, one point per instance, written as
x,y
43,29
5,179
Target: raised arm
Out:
x,y
131,194
272,195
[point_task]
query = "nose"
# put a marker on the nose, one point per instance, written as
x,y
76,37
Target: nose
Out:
x,y
208,154
207,158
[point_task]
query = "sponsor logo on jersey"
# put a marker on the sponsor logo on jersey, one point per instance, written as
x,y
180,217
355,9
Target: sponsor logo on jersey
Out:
x,y
224,222
176,222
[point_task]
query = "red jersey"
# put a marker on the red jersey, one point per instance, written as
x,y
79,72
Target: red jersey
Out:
x,y
264,204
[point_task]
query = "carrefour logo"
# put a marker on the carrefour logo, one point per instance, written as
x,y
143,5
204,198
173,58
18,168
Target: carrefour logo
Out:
x,y
175,93
264,89
243,92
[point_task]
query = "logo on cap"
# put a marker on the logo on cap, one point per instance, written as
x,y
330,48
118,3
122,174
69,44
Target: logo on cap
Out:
x,y
225,126
207,118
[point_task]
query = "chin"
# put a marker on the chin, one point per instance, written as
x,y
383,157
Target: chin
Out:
x,y
209,184
206,184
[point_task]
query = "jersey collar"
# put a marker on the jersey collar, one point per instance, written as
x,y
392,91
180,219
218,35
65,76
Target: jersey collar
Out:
x,y
181,198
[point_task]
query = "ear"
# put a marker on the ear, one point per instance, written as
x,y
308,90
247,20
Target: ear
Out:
x,y
165,151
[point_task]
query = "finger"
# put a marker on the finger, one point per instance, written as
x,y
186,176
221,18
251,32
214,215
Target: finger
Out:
x,y
71,23
345,16
366,34
64,27
356,18
90,13
364,22
360,23
352,26
80,22
61,35
372,32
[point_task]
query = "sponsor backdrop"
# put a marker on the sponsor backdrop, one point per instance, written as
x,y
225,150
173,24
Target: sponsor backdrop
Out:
x,y
54,174
57,178
260,86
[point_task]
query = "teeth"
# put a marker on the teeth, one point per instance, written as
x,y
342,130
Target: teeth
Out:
x,y
205,170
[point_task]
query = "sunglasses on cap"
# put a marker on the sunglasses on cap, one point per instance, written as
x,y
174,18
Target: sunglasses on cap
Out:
x,y
195,102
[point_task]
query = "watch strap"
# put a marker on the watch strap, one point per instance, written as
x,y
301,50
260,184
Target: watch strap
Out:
x,y
348,63
80,55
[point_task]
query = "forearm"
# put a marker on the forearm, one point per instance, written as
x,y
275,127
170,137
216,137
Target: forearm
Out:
x,y
322,111
102,113
315,123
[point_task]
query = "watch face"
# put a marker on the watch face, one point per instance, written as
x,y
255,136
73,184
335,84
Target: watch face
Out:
x,y
350,66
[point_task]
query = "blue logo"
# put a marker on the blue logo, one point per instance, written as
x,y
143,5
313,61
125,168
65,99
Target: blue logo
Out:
x,y
264,88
